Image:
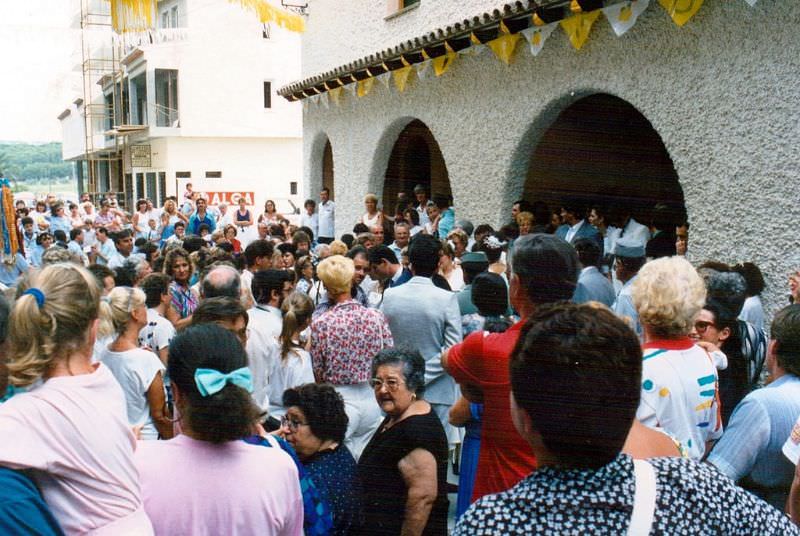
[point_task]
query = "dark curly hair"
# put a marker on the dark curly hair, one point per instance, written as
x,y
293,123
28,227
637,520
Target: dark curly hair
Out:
x,y
323,408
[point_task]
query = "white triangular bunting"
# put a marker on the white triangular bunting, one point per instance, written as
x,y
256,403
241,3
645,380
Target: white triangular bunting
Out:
x,y
537,35
324,100
423,69
622,17
385,78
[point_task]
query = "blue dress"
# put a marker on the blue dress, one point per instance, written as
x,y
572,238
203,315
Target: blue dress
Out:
x,y
334,472
470,450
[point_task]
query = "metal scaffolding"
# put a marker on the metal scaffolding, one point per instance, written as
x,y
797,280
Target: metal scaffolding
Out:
x,y
100,66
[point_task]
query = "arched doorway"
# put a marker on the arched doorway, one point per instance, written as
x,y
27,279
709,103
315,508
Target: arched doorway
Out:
x,y
601,150
327,168
415,159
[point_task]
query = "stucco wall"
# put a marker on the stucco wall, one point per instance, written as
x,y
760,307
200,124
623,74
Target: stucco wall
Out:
x,y
339,32
722,92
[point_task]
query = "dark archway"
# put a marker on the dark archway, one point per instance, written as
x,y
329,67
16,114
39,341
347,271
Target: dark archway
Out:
x,y
602,150
415,159
327,168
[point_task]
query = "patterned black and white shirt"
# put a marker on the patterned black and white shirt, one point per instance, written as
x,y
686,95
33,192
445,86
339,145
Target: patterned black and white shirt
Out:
x,y
692,499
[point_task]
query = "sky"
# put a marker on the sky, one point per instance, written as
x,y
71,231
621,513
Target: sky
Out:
x,y
39,67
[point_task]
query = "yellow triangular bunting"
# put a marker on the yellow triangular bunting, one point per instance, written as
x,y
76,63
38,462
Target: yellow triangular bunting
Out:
x,y
401,76
578,27
442,63
504,47
681,10
335,94
365,86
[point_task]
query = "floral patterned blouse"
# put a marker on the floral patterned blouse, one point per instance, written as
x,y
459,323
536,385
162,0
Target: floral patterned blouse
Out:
x,y
344,340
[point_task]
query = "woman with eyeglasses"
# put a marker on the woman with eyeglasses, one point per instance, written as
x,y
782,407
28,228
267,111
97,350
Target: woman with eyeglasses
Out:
x,y
404,466
315,424
715,330
139,372
206,480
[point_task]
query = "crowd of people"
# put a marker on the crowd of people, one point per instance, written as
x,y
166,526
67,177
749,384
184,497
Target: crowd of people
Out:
x,y
197,370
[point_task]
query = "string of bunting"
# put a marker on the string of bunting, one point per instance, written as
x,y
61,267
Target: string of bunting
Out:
x,y
621,16
138,15
9,245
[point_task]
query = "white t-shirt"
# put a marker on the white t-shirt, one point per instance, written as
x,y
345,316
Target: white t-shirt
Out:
x,y
158,332
72,432
295,370
753,312
680,394
135,371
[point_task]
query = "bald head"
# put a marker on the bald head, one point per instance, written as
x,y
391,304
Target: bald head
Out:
x,y
222,281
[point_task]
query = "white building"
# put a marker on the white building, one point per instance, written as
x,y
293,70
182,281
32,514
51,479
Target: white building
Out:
x,y
700,115
197,104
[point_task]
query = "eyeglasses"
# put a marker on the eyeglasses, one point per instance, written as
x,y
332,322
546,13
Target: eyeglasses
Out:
x,y
291,424
391,384
701,326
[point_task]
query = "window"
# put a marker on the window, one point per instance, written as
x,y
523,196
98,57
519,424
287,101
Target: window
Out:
x,y
213,174
395,7
151,186
267,94
292,188
183,174
138,99
265,31
169,17
162,188
128,190
167,98
139,185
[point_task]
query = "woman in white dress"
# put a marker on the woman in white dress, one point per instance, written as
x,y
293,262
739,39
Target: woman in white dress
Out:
x,y
372,217
270,215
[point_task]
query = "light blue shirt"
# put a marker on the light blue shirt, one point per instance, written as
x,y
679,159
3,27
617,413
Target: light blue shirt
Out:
x,y
752,442
623,307
10,274
107,250
312,222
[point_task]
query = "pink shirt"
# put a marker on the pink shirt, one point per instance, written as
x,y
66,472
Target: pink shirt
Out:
x,y
73,432
196,487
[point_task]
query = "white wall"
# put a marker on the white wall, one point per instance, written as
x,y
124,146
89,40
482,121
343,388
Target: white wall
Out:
x,y
221,69
264,166
339,32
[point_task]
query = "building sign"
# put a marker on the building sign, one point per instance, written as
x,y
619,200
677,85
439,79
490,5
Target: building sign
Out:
x,y
231,198
140,156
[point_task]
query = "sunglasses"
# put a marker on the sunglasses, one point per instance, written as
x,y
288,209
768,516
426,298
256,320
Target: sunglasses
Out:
x,y
701,326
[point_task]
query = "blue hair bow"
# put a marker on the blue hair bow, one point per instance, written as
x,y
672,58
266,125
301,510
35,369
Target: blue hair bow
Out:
x,y
210,381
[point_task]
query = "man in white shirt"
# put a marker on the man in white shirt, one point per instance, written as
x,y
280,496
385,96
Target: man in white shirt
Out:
x,y
159,331
310,219
270,287
402,234
223,216
325,218
422,204
123,241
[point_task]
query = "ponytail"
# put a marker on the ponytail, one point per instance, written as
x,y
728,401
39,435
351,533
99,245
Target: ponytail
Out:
x,y
53,313
297,310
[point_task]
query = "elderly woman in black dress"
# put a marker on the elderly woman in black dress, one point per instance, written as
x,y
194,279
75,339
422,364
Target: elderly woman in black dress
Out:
x,y
403,469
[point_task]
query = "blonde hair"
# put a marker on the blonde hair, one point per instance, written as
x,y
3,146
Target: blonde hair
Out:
x,y
338,248
525,217
668,293
40,336
336,273
121,302
371,198
297,310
